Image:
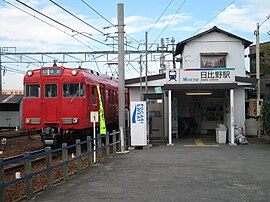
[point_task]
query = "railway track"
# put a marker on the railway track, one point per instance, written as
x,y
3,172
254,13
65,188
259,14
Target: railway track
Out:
x,y
9,135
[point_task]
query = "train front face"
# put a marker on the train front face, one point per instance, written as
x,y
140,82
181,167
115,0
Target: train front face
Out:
x,y
52,102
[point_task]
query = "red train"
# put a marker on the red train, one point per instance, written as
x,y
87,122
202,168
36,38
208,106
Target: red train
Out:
x,y
58,101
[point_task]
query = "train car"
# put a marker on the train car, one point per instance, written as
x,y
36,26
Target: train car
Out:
x,y
59,100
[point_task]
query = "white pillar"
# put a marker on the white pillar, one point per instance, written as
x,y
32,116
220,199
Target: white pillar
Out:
x,y
170,117
232,117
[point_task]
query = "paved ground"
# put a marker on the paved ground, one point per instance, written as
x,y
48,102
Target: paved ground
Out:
x,y
179,173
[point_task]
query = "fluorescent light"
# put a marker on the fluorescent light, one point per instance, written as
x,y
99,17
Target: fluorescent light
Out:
x,y
199,93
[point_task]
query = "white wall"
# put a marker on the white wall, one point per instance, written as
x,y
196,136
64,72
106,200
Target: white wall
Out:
x,y
215,42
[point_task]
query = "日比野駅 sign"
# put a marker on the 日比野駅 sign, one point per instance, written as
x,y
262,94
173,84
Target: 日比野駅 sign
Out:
x,y
207,75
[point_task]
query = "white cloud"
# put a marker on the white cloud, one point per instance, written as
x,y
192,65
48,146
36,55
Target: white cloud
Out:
x,y
184,28
244,18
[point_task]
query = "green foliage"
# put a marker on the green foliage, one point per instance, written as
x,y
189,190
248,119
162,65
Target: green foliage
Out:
x,y
265,59
265,112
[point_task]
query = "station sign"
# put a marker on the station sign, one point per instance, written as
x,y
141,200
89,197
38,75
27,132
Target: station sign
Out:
x,y
201,75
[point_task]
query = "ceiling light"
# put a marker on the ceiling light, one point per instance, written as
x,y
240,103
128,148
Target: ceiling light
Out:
x,y
199,93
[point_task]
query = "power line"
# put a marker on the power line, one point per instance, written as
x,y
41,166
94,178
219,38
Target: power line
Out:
x,y
98,13
73,30
77,17
48,24
160,16
12,70
213,17
169,21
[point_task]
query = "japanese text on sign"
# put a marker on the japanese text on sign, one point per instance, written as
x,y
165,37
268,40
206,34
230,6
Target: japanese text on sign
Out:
x,y
140,113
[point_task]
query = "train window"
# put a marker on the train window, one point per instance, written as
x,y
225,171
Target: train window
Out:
x,y
50,90
94,99
73,90
114,97
32,90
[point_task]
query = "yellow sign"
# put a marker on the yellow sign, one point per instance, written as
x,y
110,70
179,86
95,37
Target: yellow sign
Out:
x,y
102,124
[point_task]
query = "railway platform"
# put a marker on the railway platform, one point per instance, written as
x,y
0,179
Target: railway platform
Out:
x,y
191,170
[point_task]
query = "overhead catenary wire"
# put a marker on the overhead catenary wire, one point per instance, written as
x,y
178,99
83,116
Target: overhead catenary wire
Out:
x,y
76,17
169,21
48,24
214,17
73,30
160,16
98,13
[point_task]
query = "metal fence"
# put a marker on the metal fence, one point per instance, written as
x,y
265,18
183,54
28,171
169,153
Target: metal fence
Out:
x,y
112,142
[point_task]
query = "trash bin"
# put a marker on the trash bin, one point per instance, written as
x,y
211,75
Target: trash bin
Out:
x,y
221,133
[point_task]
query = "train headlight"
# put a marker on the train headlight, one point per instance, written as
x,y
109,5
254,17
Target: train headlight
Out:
x,y
74,72
75,120
30,73
27,120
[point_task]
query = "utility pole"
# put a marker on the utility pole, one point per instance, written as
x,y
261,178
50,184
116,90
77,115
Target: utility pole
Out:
x,y
173,41
121,66
146,60
0,71
258,78
141,77
162,57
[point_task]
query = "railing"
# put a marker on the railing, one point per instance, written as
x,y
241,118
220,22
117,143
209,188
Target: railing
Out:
x,y
28,158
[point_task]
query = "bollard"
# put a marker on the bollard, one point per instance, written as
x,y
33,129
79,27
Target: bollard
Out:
x,y
2,181
129,138
49,165
114,140
99,148
28,181
89,149
119,144
107,142
78,153
122,139
65,159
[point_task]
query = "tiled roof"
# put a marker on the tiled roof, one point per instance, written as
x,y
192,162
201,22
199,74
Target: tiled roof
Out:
x,y
10,99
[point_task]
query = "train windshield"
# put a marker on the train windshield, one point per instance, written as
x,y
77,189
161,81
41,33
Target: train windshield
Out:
x,y
50,90
32,91
73,90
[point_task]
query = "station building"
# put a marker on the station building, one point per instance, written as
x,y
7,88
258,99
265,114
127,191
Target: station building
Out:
x,y
206,87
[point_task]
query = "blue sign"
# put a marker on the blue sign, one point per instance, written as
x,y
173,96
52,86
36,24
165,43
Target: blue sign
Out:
x,y
138,114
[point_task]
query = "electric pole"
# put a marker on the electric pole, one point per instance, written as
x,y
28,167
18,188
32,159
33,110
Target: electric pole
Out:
x,y
258,78
146,60
0,71
121,66
162,57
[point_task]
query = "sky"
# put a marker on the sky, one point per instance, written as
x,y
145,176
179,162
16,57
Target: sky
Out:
x,y
25,30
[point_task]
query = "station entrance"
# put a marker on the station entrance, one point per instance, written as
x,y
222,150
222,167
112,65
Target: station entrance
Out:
x,y
196,113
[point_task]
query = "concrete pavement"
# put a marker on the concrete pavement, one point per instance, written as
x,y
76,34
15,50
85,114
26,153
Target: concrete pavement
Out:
x,y
179,173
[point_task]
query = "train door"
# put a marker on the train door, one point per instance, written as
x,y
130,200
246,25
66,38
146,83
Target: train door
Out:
x,y
51,101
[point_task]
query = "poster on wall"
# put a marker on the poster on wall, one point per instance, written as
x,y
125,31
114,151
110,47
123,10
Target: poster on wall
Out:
x,y
138,123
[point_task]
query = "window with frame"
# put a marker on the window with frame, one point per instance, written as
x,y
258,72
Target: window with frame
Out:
x,y
73,90
213,60
50,90
94,98
32,90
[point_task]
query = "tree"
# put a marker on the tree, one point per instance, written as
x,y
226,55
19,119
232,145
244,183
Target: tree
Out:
x,y
265,59
265,112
